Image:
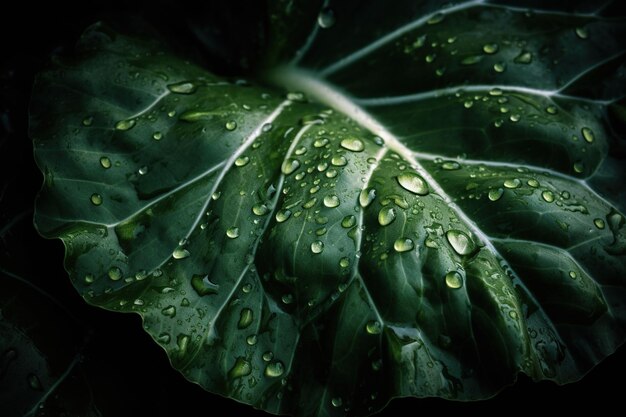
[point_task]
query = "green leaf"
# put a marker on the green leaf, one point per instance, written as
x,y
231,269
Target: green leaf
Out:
x,y
426,208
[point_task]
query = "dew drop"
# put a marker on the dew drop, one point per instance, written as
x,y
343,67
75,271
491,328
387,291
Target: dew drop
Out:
x,y
231,125
251,340
240,369
157,136
579,167
169,311
366,197
267,356
468,104
289,166
344,262
203,286
320,142
125,124
348,221
232,232
499,67
87,121
143,170
283,215
582,32
300,151
317,246
386,216
180,253
89,279
495,194
471,60
260,209
551,110
490,48
524,57
184,87
413,183
532,183
105,162
96,199
309,204
242,161
216,196
588,135
352,144
573,274
403,244
164,338
331,201
114,273
460,242
548,196
451,165
374,327
336,402
599,223
274,369
326,18
436,18
512,183
454,280
246,316
338,160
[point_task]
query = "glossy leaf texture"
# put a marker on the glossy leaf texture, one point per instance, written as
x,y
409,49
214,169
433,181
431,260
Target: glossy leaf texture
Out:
x,y
426,208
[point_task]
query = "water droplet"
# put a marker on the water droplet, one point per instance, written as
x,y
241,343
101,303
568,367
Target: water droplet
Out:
x,y
451,165
314,189
310,203
386,216
114,273
454,280
287,299
216,196
231,125
240,369
471,60
374,327
267,356
87,121
499,67
599,223
182,341
274,369
164,338
232,232
548,196
403,244
524,57
413,183
515,117
588,134
513,314
582,32
157,136
289,166
317,246
495,194
468,104
348,221
184,87
460,242
339,160
143,170
203,286
283,215
322,166
366,197
242,161
352,144
169,311
125,124
326,18
96,199
573,274
579,167
436,18
300,151
246,316
89,279
336,402
105,162
251,340
490,48
296,96
344,262
180,253
331,201
551,110
321,231
430,58
512,183
34,382
260,209
320,142
246,288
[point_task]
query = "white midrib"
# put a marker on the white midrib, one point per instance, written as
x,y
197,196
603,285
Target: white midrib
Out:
x,y
296,79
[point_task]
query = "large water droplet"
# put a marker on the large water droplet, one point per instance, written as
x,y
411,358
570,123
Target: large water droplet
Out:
x,y
374,327
242,161
125,124
336,402
490,48
240,369
157,136
348,221
114,273
582,32
460,242
289,166
524,57
260,209
352,144
495,194
184,87
180,253
548,196
512,183
331,201
499,67
454,280
274,369
366,197
339,160
588,134
413,183
232,232
386,216
245,318
317,246
326,18
105,162
96,199
403,244
169,311
231,125
283,215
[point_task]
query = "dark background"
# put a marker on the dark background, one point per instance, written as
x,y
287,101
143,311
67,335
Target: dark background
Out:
x,y
121,370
